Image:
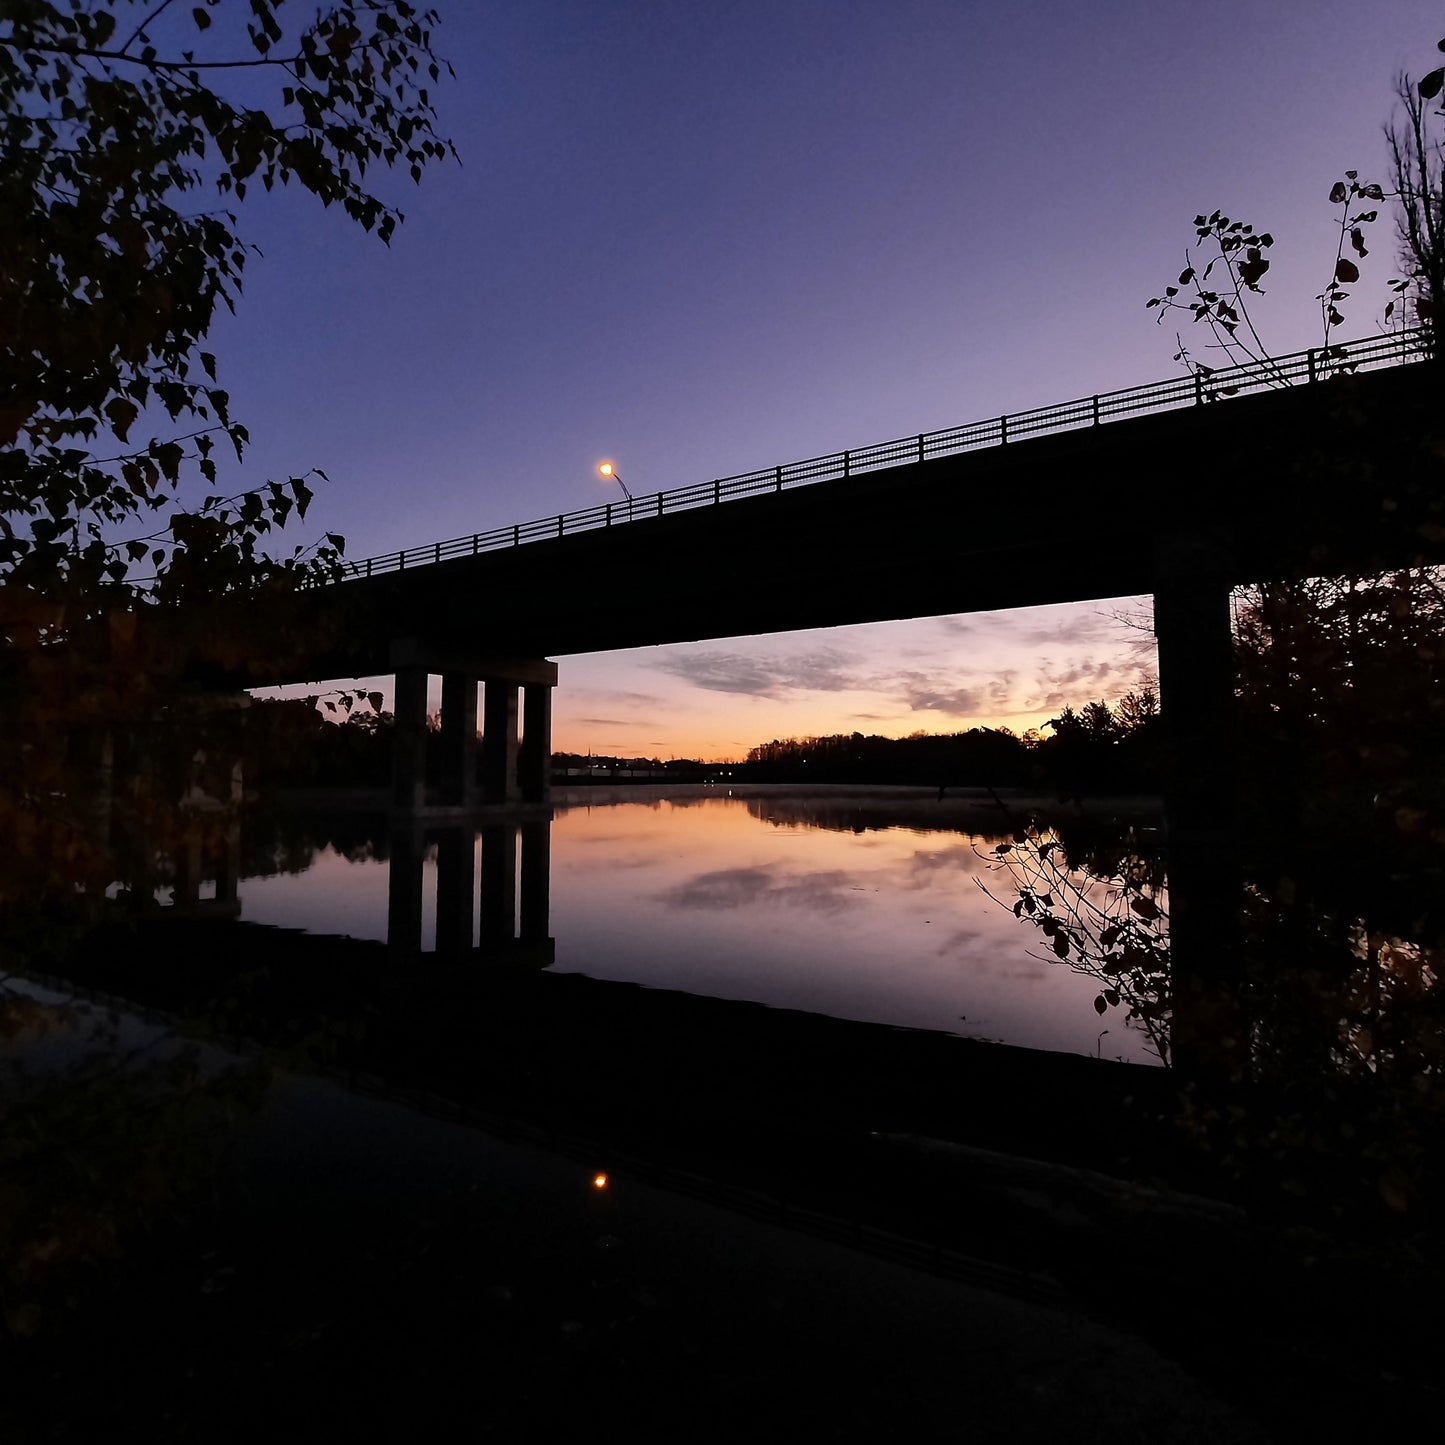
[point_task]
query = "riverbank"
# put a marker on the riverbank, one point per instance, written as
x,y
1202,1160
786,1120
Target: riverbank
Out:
x,y
1040,1178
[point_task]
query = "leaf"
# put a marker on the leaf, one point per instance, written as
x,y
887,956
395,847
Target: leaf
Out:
x,y
121,415
1429,85
375,700
1061,944
1346,270
1339,192
169,455
1357,240
1144,907
1099,1004
203,21
1252,268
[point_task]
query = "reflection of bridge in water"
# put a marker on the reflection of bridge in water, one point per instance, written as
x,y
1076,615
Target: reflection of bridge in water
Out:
x,y
493,889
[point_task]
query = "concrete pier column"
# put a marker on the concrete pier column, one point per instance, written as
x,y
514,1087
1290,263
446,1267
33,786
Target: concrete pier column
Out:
x,y
1193,630
456,889
536,920
404,890
459,739
499,886
534,765
499,742
408,755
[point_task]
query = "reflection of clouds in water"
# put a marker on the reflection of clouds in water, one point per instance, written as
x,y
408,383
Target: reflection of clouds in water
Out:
x,y
961,940
611,840
923,867
730,888
621,862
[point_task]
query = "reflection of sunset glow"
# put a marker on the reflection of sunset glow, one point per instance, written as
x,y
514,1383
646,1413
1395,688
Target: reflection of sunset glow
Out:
x,y
792,898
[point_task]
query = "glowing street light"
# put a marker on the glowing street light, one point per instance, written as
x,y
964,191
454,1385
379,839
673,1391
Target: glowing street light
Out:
x,y
607,470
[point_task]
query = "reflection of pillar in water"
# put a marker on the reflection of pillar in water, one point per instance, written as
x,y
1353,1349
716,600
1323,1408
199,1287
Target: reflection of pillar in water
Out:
x,y
536,880
456,886
186,867
499,884
228,864
404,890
102,790
1193,631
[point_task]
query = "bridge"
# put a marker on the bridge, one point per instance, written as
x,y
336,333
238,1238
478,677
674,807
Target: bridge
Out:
x,y
1307,464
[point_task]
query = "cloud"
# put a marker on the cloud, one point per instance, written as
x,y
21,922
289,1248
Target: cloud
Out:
x,y
942,692
825,670
1083,681
649,700
924,694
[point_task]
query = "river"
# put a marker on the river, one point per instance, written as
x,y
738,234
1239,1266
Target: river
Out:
x,y
870,904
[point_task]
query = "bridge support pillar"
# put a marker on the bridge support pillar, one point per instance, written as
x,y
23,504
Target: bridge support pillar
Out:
x,y
408,757
512,770
499,741
534,764
1194,633
459,739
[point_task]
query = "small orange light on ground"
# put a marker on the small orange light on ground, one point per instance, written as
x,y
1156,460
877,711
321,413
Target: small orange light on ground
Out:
x,y
599,1181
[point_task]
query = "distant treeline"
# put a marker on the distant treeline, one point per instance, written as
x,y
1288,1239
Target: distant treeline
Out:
x,y
1098,747
293,745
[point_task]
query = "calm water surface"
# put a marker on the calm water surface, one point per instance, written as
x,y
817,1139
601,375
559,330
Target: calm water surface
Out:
x,y
862,906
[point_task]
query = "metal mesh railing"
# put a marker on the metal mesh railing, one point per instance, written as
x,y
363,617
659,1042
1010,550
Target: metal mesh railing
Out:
x,y
1301,368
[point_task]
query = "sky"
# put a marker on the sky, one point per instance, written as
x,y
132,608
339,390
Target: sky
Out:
x,y
697,239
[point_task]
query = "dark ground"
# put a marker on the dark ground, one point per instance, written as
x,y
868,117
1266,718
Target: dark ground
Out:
x,y
812,1227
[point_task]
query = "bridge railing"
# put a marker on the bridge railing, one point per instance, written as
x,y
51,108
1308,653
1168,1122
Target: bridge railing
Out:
x,y
1201,388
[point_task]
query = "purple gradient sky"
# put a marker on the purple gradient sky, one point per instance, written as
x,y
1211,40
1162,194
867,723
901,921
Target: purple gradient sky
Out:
x,y
702,238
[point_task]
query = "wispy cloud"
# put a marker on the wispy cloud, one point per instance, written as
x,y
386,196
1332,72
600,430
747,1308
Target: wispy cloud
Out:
x,y
615,697
825,670
941,691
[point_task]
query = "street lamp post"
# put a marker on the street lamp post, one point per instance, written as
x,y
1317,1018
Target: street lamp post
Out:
x,y
606,469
